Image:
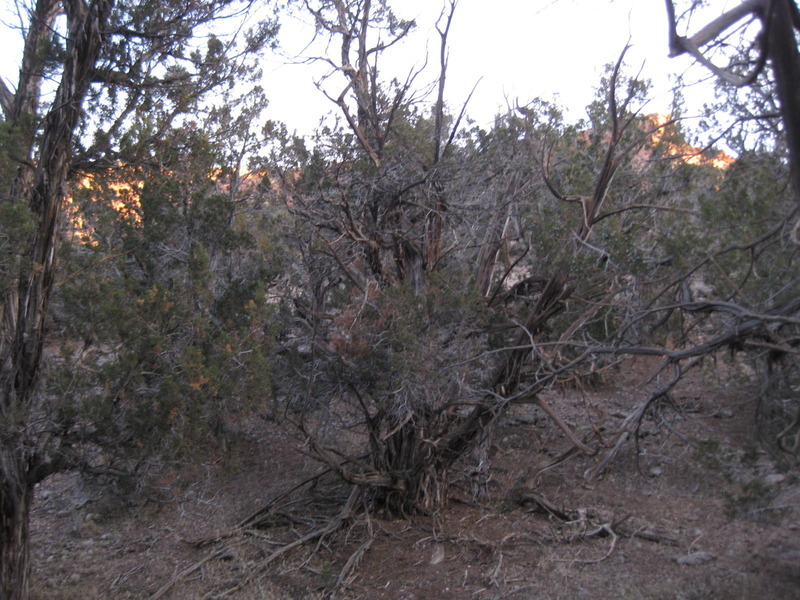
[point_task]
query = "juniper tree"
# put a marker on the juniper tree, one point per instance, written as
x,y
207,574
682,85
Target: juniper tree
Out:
x,y
89,70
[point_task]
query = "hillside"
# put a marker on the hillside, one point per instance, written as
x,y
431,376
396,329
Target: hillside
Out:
x,y
702,513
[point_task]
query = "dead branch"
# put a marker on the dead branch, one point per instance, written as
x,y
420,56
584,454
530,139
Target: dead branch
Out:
x,y
355,558
246,528
710,31
189,570
630,426
527,497
576,443
318,534
255,518
603,530
653,536
443,57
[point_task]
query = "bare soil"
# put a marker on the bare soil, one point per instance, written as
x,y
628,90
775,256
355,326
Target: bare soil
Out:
x,y
700,512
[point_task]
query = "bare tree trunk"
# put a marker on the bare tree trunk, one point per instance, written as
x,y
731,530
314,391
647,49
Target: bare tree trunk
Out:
x,y
424,485
20,363
16,494
493,240
781,20
785,58
21,112
22,329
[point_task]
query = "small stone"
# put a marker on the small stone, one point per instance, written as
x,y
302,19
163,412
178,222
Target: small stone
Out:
x,y
438,555
695,558
775,478
656,472
724,413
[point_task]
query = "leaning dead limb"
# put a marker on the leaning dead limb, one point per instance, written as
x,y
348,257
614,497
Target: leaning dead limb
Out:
x,y
630,426
777,46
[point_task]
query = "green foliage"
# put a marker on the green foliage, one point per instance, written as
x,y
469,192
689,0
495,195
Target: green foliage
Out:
x,y
16,221
101,83
394,339
16,227
168,290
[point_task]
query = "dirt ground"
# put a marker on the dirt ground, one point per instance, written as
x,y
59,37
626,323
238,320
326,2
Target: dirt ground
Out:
x,y
701,512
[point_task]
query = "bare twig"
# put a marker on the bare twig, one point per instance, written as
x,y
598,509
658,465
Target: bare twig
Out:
x,y
332,525
632,422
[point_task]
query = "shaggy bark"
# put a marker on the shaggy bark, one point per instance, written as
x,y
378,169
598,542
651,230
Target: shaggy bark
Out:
x,y
16,495
785,59
20,109
24,320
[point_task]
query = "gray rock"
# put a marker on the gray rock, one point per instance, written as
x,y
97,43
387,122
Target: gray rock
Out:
x,y
695,558
774,478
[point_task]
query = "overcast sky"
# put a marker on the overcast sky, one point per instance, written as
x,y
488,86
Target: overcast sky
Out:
x,y
518,49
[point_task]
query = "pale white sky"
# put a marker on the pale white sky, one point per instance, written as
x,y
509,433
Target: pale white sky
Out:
x,y
519,49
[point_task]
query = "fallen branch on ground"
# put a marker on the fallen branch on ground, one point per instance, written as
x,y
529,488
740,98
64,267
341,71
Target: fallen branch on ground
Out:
x,y
318,534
